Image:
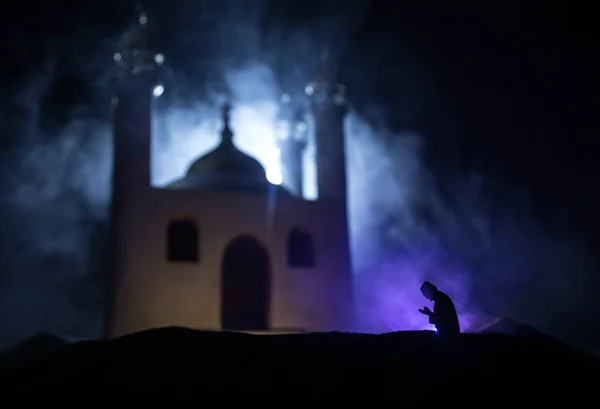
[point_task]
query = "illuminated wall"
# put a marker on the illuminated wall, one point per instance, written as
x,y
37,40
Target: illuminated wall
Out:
x,y
154,293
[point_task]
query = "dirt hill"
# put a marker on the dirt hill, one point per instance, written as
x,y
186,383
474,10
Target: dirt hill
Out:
x,y
217,368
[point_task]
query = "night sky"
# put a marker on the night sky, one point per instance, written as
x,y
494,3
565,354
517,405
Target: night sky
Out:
x,y
493,103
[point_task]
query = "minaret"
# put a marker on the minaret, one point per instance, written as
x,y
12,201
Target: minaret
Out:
x,y
328,106
136,69
292,142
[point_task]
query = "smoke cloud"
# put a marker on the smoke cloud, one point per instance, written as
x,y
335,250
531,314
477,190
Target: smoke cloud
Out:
x,y
476,239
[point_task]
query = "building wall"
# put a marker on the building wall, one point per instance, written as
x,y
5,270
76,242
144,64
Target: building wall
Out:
x,y
151,292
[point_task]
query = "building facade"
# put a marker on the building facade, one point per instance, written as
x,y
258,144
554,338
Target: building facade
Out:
x,y
222,248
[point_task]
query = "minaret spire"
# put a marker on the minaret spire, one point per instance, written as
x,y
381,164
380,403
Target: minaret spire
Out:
x,y
135,56
327,72
325,89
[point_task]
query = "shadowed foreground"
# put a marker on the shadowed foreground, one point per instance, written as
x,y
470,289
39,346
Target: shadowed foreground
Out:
x,y
402,368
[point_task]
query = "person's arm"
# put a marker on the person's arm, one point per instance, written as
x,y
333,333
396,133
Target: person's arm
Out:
x,y
432,319
429,313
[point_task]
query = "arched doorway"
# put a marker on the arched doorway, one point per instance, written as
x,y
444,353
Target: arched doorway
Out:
x,y
245,285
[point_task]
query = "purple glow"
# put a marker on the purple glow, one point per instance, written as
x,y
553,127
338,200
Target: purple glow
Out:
x,y
389,295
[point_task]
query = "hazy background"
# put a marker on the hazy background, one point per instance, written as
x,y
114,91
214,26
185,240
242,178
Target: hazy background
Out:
x,y
469,151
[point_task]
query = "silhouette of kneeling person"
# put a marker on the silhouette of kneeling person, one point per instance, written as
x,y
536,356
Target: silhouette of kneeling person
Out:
x,y
444,315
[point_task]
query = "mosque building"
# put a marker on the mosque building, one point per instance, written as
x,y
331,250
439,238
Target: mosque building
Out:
x,y
222,248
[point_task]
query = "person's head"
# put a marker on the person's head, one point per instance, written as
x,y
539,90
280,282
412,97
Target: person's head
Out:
x,y
429,290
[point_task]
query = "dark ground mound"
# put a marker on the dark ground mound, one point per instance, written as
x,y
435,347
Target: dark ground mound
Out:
x,y
35,347
402,368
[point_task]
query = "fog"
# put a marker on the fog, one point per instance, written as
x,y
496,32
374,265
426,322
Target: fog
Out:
x,y
477,239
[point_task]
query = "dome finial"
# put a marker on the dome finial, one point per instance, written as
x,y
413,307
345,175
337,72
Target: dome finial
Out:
x,y
226,133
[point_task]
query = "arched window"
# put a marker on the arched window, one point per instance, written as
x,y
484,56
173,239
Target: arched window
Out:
x,y
300,249
182,241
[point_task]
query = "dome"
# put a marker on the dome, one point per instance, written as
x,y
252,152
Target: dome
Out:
x,y
226,159
227,168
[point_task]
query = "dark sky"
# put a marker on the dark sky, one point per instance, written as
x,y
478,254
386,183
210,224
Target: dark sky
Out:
x,y
503,90
513,87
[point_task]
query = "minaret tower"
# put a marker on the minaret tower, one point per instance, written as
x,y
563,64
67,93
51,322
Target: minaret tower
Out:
x,y
329,109
136,87
292,142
